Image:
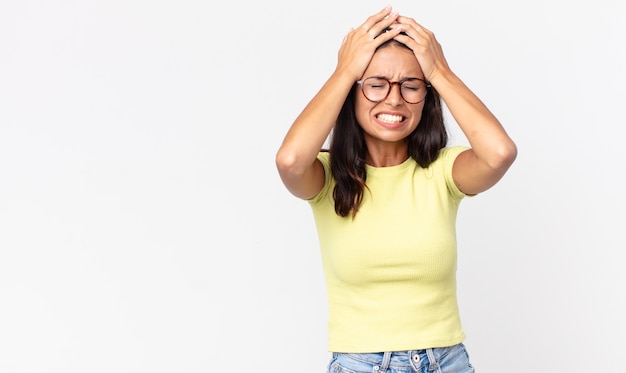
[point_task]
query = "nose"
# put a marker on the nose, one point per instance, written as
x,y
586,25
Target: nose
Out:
x,y
394,97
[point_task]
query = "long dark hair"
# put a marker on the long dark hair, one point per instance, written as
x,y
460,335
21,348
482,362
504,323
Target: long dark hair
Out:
x,y
348,149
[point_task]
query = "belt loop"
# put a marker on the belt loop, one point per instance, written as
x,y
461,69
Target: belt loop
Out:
x,y
433,364
386,360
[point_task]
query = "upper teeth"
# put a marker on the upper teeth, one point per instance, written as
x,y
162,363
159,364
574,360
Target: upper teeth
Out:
x,y
390,118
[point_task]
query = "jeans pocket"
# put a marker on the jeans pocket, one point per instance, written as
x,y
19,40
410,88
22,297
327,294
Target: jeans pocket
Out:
x,y
346,363
335,367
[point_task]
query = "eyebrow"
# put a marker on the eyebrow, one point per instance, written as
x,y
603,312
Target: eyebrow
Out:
x,y
401,80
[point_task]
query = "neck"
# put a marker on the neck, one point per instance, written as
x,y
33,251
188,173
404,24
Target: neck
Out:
x,y
386,157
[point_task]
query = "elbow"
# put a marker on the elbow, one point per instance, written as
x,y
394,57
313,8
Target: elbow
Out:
x,y
505,155
287,162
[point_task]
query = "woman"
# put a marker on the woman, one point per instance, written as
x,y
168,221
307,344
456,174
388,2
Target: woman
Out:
x,y
386,194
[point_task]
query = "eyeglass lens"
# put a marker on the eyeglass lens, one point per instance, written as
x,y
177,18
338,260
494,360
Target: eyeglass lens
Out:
x,y
412,90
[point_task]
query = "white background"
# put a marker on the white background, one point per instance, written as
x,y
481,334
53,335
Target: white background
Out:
x,y
143,226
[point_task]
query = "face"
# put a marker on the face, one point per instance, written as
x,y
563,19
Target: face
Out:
x,y
392,119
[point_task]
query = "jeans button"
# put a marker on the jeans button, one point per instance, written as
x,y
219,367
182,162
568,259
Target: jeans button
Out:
x,y
416,358
376,368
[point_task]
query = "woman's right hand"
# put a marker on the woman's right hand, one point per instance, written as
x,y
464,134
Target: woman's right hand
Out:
x,y
296,159
359,45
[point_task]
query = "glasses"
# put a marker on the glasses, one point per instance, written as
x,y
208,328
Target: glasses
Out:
x,y
376,89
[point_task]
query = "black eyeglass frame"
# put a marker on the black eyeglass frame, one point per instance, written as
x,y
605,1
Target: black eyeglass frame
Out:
x,y
399,83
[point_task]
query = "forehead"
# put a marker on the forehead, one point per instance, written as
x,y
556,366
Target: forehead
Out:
x,y
394,62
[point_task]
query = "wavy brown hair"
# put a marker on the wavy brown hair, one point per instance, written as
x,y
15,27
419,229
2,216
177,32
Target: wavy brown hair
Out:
x,y
348,149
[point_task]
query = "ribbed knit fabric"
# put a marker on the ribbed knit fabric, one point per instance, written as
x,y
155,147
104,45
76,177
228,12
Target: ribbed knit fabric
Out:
x,y
391,271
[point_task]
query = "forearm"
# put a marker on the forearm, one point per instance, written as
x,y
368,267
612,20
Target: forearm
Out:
x,y
488,139
312,127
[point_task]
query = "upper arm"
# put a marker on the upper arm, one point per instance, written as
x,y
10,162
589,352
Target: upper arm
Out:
x,y
306,184
473,175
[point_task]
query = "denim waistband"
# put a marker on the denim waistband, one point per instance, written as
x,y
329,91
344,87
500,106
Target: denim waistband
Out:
x,y
400,359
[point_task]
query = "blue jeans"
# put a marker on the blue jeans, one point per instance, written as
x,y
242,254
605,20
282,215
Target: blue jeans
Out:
x,y
453,359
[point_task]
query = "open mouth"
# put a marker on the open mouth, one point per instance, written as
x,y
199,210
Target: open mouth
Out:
x,y
390,118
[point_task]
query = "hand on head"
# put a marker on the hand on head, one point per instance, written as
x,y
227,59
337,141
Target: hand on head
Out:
x,y
359,44
424,45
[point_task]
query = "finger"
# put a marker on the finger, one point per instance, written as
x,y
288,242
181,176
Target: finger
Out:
x,y
374,18
387,34
410,21
378,22
408,40
413,28
346,37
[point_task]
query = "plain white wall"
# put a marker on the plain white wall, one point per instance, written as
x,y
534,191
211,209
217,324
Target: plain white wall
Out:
x,y
143,227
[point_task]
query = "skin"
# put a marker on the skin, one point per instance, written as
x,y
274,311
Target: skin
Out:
x,y
474,171
384,139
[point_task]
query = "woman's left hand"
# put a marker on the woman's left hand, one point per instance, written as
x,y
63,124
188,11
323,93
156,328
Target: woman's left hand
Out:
x,y
425,46
492,150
